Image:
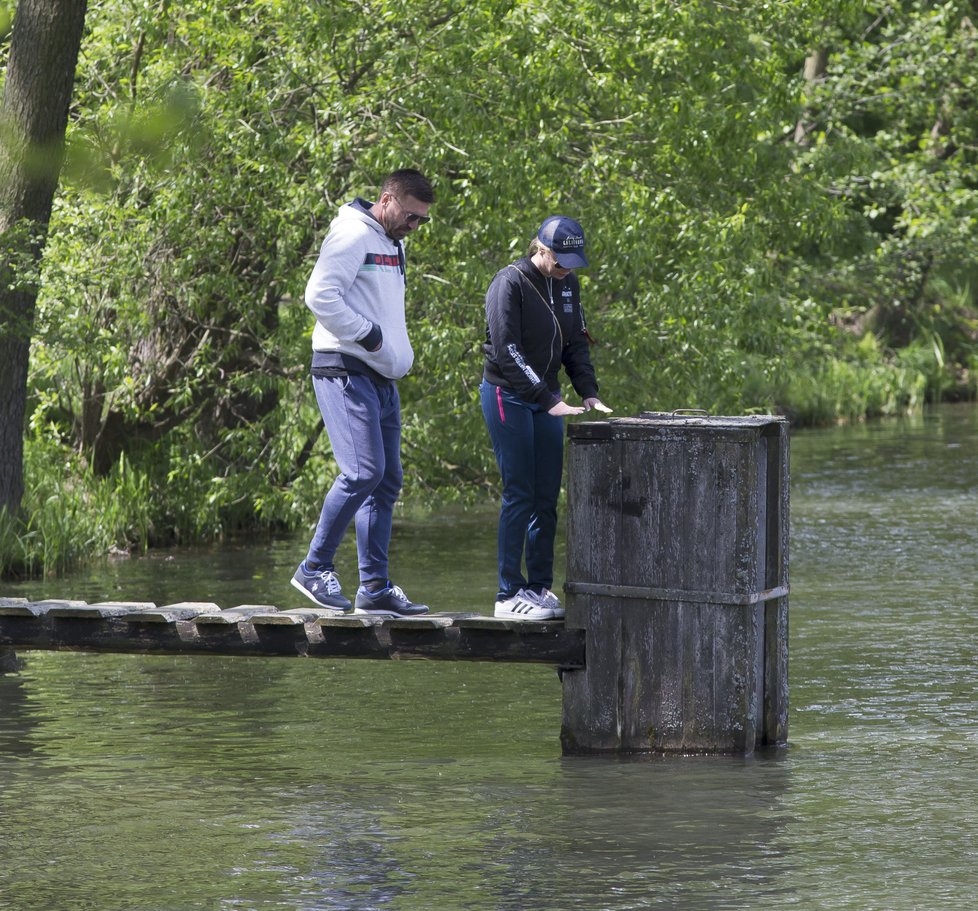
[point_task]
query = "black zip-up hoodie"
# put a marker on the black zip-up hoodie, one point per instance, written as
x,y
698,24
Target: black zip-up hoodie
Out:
x,y
535,325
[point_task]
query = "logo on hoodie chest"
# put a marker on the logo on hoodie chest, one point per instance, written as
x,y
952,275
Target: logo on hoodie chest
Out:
x,y
381,262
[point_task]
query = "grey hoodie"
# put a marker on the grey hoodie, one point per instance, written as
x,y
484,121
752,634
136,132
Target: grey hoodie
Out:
x,y
357,287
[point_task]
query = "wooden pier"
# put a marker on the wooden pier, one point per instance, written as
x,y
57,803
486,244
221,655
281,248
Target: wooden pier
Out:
x,y
262,630
676,636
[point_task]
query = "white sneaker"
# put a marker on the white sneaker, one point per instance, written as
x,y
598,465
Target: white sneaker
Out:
x,y
549,599
524,605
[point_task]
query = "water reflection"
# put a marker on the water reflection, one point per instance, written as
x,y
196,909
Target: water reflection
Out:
x,y
165,782
283,783
581,834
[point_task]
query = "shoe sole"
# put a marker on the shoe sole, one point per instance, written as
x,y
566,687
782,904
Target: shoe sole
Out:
x,y
386,614
299,587
366,607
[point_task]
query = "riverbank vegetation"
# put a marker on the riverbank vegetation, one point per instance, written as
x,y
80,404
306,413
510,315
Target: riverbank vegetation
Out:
x,y
780,203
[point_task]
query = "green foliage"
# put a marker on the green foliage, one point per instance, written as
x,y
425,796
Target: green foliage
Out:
x,y
893,138
734,268
68,514
6,19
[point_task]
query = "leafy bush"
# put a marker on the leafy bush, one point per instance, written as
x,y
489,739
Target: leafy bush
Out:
x,y
759,242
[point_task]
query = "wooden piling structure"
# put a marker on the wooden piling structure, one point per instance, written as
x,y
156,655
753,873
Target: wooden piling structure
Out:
x,y
677,572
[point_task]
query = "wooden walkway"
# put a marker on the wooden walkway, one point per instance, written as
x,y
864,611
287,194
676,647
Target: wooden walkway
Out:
x,y
262,630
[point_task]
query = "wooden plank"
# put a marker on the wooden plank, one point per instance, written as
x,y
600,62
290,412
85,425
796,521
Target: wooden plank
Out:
x,y
542,643
198,607
22,608
775,704
279,618
426,622
234,614
18,610
430,636
347,621
775,730
600,500
523,627
102,610
592,703
457,616
421,637
594,518
349,637
171,613
308,614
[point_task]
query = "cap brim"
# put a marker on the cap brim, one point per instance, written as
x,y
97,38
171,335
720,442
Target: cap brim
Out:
x,y
571,260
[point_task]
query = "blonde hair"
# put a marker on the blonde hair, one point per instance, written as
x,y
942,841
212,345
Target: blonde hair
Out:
x,y
536,245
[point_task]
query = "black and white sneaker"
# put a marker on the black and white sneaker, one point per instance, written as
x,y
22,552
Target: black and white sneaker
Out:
x,y
524,605
388,602
322,587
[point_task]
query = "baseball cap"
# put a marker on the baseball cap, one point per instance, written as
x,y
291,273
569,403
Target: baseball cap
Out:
x,y
565,237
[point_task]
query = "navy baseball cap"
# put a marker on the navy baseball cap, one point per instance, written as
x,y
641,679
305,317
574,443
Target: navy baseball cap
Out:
x,y
565,237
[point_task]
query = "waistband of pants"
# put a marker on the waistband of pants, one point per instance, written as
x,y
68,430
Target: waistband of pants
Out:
x,y
335,363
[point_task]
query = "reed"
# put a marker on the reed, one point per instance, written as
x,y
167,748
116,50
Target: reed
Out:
x,y
69,515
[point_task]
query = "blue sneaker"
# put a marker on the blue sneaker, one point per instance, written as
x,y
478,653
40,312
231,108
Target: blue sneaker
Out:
x,y
322,587
388,602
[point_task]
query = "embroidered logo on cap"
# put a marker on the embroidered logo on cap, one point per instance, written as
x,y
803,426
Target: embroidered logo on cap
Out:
x,y
571,241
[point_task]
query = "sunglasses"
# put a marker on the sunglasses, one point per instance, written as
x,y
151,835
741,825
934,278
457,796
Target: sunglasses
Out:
x,y
411,216
553,256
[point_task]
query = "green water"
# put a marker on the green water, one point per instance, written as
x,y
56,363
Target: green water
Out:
x,y
161,784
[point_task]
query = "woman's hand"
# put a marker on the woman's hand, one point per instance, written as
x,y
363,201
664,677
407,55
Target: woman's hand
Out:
x,y
596,403
562,408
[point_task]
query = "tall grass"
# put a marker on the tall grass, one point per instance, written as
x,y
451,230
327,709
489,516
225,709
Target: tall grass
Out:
x,y
68,515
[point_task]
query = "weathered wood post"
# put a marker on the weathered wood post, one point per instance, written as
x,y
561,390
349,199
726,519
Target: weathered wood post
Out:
x,y
677,570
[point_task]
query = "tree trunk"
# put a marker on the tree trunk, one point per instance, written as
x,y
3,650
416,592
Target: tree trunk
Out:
x,y
815,64
33,118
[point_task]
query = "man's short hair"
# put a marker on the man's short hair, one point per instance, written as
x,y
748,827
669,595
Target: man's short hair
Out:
x,y
409,182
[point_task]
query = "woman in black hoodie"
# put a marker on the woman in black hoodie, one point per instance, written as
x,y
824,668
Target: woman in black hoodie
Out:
x,y
535,325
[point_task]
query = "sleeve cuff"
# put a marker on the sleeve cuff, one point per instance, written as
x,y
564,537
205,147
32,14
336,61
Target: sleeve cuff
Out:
x,y
373,339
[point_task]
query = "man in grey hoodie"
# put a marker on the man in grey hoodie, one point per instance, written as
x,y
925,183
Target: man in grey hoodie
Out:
x,y
360,349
